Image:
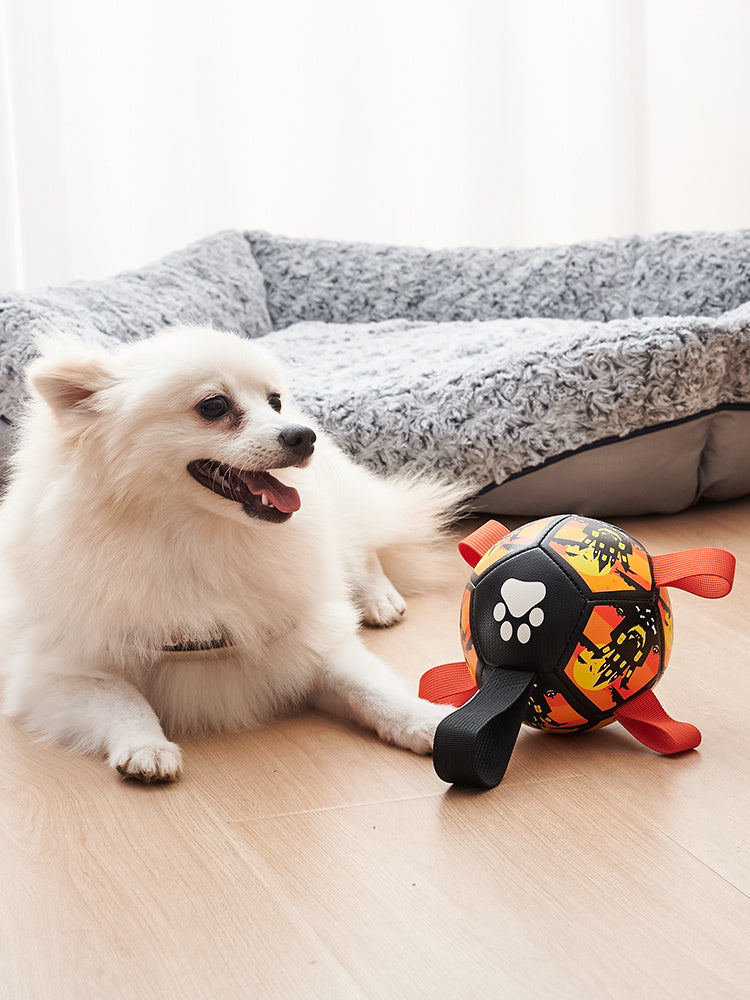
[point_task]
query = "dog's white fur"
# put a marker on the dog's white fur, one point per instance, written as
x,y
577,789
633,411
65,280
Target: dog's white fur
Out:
x,y
110,550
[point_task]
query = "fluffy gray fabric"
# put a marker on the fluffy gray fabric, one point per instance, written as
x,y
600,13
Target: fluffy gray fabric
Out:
x,y
490,365
491,399
215,281
699,274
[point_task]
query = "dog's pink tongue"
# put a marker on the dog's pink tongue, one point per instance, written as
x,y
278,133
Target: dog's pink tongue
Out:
x,y
284,498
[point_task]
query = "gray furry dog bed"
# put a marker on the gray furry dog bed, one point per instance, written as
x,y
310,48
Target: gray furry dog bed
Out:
x,y
608,377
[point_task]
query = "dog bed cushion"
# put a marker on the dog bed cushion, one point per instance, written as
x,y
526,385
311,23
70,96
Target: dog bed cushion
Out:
x,y
668,274
610,377
495,402
215,281
650,413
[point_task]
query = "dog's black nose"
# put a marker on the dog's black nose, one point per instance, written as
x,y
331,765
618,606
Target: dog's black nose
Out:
x,y
299,439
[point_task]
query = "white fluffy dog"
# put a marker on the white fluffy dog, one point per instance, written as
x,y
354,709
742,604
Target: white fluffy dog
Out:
x,y
182,553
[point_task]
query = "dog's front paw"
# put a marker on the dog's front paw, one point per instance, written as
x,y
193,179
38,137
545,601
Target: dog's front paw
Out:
x,y
417,731
382,608
151,763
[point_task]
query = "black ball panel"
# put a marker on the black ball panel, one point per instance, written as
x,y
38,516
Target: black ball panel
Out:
x,y
524,612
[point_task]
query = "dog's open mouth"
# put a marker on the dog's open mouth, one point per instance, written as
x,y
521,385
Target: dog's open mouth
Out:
x,y
260,493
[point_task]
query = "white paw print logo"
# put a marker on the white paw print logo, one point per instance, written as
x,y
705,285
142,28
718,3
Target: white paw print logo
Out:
x,y
519,600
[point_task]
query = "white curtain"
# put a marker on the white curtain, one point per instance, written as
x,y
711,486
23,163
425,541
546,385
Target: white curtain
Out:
x,y
128,129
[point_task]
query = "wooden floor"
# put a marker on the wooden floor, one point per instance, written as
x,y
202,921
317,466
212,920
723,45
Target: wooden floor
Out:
x,y
308,860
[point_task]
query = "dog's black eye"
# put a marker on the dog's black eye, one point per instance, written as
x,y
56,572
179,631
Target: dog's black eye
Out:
x,y
274,401
214,407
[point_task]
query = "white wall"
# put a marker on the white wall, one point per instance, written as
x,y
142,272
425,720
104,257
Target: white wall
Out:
x,y
128,129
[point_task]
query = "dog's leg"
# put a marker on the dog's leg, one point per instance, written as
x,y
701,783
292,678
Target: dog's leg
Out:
x,y
357,685
100,714
379,602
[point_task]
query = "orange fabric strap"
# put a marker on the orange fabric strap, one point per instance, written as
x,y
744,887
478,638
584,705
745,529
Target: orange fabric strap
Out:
x,y
448,684
480,541
704,572
644,718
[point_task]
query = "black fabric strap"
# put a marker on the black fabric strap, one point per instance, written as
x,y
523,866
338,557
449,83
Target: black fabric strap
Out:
x,y
473,745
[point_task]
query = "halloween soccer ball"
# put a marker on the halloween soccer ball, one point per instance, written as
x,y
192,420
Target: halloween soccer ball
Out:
x,y
574,600
565,625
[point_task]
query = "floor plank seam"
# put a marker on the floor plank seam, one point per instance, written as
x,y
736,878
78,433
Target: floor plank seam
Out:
x,y
336,808
705,864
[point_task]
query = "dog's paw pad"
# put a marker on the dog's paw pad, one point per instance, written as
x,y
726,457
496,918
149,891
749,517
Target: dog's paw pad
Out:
x,y
383,609
150,764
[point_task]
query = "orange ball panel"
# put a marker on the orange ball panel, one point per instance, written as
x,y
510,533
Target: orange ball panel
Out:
x,y
604,558
522,537
550,710
466,641
618,655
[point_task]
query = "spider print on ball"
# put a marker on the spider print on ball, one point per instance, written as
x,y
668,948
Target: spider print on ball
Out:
x,y
520,600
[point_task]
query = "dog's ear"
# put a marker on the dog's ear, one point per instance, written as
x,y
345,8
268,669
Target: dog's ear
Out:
x,y
69,385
